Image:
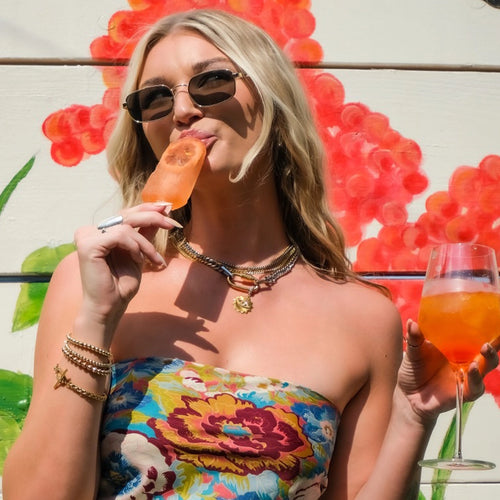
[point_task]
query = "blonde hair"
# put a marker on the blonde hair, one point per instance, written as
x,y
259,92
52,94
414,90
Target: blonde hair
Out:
x,y
289,135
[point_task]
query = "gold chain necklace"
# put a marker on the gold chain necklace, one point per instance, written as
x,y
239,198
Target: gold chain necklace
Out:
x,y
238,278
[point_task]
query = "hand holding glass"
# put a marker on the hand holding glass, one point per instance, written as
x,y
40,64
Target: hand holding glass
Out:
x,y
459,312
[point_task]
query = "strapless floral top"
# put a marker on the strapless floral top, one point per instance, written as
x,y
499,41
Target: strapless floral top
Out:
x,y
181,430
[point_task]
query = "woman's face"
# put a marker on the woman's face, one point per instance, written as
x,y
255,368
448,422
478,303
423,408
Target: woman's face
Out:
x,y
228,128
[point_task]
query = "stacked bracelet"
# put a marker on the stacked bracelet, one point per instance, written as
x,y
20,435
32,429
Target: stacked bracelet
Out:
x,y
87,364
64,381
90,347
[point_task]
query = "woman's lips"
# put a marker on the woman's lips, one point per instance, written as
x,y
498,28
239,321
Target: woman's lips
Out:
x,y
207,138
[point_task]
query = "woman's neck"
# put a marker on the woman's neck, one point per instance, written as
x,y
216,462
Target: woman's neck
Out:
x,y
242,228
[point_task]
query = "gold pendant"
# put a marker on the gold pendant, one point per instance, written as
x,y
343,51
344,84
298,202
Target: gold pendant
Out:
x,y
243,304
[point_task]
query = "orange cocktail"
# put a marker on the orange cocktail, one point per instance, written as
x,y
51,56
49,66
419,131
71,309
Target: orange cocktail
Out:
x,y
459,322
459,313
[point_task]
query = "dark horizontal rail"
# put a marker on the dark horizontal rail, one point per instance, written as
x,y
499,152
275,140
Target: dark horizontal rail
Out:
x,y
45,277
88,61
393,275
370,275
25,277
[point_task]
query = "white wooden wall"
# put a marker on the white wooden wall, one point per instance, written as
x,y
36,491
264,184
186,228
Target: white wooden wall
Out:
x,y
432,67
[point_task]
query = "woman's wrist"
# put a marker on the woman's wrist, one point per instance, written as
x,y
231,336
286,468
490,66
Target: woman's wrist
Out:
x,y
93,330
405,411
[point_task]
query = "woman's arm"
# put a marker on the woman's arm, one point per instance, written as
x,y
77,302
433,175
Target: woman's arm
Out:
x,y
425,388
376,345
56,455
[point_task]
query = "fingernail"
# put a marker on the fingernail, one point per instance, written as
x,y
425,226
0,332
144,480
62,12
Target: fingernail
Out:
x,y
161,259
174,223
167,207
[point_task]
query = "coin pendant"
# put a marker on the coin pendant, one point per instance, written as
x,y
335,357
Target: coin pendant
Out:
x,y
243,304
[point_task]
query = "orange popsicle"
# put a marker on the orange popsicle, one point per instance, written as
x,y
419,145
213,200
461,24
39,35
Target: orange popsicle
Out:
x,y
175,175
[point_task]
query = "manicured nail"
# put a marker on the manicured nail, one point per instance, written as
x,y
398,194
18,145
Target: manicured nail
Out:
x,y
161,259
167,207
174,223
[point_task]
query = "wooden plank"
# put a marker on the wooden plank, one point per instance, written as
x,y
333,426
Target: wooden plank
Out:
x,y
457,32
52,200
54,28
467,491
453,117
17,355
461,32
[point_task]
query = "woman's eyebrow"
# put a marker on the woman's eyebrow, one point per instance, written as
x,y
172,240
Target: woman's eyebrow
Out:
x,y
157,80
202,65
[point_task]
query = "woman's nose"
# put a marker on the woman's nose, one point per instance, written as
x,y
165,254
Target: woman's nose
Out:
x,y
184,109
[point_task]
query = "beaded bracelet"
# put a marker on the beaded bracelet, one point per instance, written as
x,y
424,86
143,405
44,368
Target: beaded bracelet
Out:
x,y
64,381
87,364
90,347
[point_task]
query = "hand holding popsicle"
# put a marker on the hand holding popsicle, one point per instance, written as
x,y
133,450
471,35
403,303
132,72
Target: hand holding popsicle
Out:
x,y
174,178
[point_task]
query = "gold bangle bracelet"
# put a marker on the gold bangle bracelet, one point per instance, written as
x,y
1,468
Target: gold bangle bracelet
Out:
x,y
90,347
64,381
87,364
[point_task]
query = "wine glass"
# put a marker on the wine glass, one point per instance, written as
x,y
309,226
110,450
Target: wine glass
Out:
x,y
459,312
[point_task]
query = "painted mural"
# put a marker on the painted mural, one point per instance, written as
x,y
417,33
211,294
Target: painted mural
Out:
x,y
374,173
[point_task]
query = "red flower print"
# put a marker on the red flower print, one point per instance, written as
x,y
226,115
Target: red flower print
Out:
x,y
226,434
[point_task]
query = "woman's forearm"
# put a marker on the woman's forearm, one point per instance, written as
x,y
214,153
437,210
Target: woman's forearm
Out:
x,y
58,448
396,475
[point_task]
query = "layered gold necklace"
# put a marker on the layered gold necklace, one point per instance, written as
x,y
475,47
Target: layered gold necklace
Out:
x,y
248,280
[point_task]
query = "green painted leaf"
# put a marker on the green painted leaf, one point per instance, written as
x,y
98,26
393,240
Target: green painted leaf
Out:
x,y
441,477
45,259
11,186
29,305
9,430
15,398
31,297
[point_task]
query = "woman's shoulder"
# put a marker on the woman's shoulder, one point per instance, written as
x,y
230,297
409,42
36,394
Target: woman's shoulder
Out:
x,y
367,310
65,280
368,296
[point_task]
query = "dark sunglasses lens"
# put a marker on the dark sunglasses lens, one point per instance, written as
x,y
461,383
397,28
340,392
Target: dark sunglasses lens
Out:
x,y
212,87
150,103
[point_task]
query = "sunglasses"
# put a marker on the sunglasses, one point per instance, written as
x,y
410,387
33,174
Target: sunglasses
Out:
x,y
205,89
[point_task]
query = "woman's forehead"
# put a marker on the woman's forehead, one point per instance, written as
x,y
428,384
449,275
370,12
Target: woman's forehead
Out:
x,y
184,50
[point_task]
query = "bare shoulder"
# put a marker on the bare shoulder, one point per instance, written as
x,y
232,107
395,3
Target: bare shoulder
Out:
x,y
369,314
68,268
65,284
364,302
64,292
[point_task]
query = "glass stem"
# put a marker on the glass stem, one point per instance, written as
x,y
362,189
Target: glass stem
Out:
x,y
459,377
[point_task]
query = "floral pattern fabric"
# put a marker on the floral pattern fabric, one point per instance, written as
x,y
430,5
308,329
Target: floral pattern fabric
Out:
x,y
181,430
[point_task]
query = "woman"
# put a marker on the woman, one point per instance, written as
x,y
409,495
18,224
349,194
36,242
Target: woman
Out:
x,y
256,282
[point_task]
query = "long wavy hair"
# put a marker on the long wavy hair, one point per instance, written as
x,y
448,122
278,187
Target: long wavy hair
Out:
x,y
289,136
